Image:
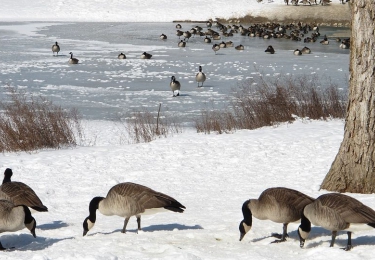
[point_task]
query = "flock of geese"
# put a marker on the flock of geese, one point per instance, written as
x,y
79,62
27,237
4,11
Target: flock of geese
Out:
x,y
291,31
332,211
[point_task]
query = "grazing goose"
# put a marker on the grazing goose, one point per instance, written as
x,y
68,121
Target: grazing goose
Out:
x,y
297,52
239,47
19,193
175,86
121,56
335,212
270,50
55,48
163,36
129,199
215,48
200,77
306,50
72,60
182,43
280,205
14,218
146,56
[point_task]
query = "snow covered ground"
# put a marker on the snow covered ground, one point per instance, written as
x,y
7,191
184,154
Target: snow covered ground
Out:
x,y
212,175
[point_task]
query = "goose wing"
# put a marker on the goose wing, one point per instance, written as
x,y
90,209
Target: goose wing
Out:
x,y
147,198
21,194
349,209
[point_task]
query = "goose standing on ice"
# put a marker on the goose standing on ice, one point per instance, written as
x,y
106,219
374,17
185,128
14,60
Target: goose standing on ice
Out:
x,y
55,48
200,77
175,86
121,56
19,193
14,218
335,212
280,205
130,199
73,60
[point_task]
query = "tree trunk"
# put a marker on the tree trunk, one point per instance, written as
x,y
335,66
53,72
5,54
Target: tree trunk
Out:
x,y
353,169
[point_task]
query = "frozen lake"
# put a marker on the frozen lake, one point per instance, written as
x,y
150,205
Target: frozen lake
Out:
x,y
102,86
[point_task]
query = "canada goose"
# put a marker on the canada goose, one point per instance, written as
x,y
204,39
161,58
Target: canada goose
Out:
x,y
146,55
14,218
182,44
324,41
129,199
280,205
207,40
178,26
229,44
239,47
19,193
179,33
270,50
215,47
72,60
187,35
121,56
306,50
297,52
208,24
216,36
175,85
55,48
223,45
200,77
163,36
335,212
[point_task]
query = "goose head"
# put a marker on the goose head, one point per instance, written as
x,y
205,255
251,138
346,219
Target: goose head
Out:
x,y
246,223
7,175
89,222
29,222
304,230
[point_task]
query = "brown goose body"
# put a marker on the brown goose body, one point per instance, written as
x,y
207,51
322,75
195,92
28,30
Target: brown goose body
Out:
x,y
130,199
280,205
335,212
14,218
19,193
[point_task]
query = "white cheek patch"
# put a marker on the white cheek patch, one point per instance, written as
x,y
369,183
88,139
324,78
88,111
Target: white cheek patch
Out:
x,y
303,234
90,224
246,227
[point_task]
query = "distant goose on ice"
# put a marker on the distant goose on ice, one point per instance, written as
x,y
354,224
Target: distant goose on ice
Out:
x,y
121,56
215,47
297,52
19,193
163,36
270,50
127,200
55,48
14,218
207,40
239,47
336,212
146,56
200,77
182,43
306,50
73,60
280,205
175,86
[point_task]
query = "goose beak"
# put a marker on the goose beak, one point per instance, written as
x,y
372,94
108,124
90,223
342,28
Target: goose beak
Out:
x,y
85,232
242,235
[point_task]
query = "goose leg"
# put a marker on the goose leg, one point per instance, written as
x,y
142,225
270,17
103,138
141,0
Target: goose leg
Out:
x,y
139,222
349,245
125,224
334,234
282,238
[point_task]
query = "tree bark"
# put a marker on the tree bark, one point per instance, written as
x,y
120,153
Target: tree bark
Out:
x,y
353,169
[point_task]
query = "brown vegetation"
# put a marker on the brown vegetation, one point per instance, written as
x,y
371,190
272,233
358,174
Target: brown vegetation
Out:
x,y
29,123
258,103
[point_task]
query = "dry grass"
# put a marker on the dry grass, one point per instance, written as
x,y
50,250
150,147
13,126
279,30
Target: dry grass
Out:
x,y
29,123
144,126
258,103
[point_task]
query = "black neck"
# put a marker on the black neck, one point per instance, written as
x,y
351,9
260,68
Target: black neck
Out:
x,y
247,216
94,205
305,224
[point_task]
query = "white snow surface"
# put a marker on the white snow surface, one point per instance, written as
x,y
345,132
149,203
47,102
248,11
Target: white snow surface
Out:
x,y
160,10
